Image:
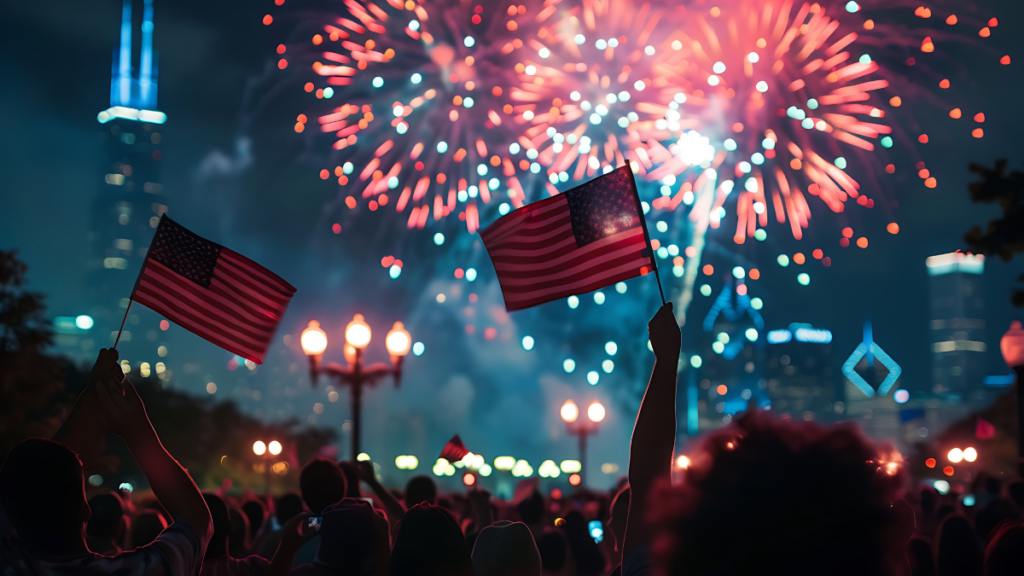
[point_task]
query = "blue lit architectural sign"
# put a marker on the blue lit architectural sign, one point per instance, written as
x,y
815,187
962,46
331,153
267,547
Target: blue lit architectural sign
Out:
x,y
869,347
732,308
800,332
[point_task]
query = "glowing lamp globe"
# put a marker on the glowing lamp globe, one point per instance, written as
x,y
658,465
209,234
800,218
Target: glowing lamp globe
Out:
x,y
955,455
595,412
970,454
314,339
357,333
259,448
570,412
274,447
398,340
1012,345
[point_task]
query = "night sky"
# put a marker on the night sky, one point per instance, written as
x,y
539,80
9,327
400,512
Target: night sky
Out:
x,y
234,171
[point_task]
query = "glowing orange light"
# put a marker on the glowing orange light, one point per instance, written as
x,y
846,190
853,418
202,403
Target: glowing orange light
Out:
x,y
754,274
468,479
862,242
923,138
559,521
895,101
979,117
737,127
817,253
931,182
923,173
984,32
1005,60
164,324
848,232
869,24
927,45
350,201
708,269
308,87
944,84
682,462
977,132
282,64
267,20
317,39
716,12
993,22
930,462
955,113
890,168
948,470
893,228
951,20
799,258
324,174
722,389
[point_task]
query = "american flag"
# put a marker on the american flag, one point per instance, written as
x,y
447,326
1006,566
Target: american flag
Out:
x,y
582,240
211,291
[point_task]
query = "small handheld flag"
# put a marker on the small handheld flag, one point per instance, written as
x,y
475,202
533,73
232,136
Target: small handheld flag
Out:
x,y
211,291
454,450
581,240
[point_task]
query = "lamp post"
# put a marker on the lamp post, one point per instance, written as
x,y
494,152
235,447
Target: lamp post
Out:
x,y
266,450
582,428
1012,347
355,375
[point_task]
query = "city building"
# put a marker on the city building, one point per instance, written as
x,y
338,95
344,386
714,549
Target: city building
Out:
x,y
725,376
799,373
129,199
957,328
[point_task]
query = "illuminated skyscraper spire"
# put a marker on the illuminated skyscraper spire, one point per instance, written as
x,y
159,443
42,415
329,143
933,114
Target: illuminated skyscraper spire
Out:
x,y
133,96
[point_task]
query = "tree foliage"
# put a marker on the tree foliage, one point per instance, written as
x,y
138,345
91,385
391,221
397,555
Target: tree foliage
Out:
x,y
1002,236
212,439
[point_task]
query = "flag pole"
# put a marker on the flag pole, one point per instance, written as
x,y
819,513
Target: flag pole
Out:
x,y
136,286
118,339
647,237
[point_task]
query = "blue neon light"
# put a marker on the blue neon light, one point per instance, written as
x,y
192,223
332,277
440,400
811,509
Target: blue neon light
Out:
x,y
851,363
133,96
725,305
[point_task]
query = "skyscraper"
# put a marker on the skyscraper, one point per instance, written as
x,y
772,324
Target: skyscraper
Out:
x,y
129,199
957,327
798,369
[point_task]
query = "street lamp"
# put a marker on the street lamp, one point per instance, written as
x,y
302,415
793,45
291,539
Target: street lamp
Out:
x,y
582,428
1012,347
355,375
259,448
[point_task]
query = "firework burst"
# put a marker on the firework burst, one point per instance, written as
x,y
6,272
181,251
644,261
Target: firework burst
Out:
x,y
410,97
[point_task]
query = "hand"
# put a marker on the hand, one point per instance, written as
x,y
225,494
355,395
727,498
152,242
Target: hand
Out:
x,y
296,532
666,339
121,410
480,497
366,472
106,367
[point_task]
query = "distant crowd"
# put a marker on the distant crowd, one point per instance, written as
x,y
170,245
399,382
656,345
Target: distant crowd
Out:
x,y
761,496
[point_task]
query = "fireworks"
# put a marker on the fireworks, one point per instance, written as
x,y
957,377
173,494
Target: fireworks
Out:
x,y
582,86
411,96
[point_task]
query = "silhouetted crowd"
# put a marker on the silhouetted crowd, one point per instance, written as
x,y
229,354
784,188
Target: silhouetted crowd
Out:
x,y
761,496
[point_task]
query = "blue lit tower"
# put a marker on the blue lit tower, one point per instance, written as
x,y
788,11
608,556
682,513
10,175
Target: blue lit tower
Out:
x,y
129,198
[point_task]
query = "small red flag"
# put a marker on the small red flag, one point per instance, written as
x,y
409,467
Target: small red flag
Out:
x,y
454,450
984,430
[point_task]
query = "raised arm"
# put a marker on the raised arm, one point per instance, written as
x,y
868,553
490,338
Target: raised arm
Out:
x,y
123,413
654,434
391,504
81,430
